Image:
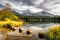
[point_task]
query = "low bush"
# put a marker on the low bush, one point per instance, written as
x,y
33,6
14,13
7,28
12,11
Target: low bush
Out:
x,y
53,33
8,26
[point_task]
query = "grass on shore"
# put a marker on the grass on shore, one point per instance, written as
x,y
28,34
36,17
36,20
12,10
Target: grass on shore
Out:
x,y
12,23
53,33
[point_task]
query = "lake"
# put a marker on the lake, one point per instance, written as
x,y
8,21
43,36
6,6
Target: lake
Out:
x,y
38,26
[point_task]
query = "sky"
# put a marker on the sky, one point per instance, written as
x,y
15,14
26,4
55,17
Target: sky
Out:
x,y
52,6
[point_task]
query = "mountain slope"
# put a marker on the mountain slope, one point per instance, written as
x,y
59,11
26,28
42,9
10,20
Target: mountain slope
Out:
x,y
28,13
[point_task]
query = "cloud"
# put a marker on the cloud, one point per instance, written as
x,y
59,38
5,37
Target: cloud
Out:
x,y
1,6
52,6
56,10
38,2
23,2
25,5
32,9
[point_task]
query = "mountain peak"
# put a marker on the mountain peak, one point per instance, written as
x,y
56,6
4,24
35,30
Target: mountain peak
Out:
x,y
29,13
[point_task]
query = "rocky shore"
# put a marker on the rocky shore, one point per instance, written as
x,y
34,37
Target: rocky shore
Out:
x,y
15,35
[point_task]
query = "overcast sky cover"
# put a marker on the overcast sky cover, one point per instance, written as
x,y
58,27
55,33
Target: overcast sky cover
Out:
x,y
35,6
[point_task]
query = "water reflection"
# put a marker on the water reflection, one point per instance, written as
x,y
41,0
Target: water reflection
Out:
x,y
39,26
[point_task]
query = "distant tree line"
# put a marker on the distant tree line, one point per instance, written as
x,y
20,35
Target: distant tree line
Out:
x,y
40,18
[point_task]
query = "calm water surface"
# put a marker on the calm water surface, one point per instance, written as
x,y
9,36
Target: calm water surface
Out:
x,y
39,26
